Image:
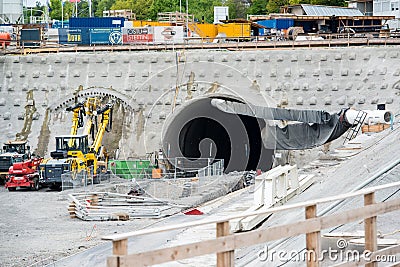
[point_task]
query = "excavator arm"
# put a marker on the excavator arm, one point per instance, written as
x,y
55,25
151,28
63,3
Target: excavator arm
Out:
x,y
106,114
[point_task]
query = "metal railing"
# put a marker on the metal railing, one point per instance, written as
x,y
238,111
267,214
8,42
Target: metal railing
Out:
x,y
83,180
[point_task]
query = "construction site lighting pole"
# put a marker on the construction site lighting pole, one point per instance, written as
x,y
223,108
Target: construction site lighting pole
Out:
x,y
187,18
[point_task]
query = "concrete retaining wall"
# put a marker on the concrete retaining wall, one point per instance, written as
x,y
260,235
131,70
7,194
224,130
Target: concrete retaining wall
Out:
x,y
151,85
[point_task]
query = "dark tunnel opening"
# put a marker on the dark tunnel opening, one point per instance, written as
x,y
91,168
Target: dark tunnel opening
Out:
x,y
199,130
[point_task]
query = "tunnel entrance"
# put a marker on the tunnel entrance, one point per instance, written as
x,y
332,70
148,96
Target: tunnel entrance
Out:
x,y
199,130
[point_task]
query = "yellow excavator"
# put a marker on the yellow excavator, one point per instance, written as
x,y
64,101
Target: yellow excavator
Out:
x,y
73,153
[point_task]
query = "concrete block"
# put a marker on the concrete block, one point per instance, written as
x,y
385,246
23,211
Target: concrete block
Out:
x,y
71,59
329,72
352,56
316,73
267,87
323,57
245,72
351,100
210,58
118,74
389,100
22,74
131,74
383,71
319,87
287,86
50,73
25,87
153,59
294,58
160,74
85,60
76,74
344,72
313,101
394,54
279,86
374,100
279,58
238,58
302,73
348,87
308,57
396,72
92,74
338,56
8,74
17,102
104,74
63,74
36,74
10,87
17,59
266,59
162,116
384,86
169,59
259,74
140,59
272,73
371,86
202,74
305,87
112,59
299,101
367,57
358,72
296,86
145,73
2,102
57,59
382,55
396,85
196,59
252,58
341,100
99,59
7,116
335,87
224,58
288,72
217,74
361,100
327,101
35,87
44,88
43,60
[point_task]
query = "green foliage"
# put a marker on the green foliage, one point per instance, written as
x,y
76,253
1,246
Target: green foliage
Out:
x,y
258,7
142,9
274,5
237,9
56,10
102,6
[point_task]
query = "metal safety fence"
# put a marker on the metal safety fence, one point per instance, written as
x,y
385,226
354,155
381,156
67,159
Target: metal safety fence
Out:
x,y
83,180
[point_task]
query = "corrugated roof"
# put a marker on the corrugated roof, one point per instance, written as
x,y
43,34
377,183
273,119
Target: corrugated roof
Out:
x,y
312,10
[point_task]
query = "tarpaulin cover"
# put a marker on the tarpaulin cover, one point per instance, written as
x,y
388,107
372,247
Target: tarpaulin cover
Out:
x,y
314,127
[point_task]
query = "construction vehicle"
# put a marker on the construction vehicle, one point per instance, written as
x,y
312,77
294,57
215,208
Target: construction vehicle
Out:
x,y
73,153
13,151
24,174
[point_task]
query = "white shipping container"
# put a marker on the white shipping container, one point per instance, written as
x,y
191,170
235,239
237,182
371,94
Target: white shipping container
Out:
x,y
168,34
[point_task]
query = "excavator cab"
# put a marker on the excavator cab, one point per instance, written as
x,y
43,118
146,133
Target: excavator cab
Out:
x,y
70,145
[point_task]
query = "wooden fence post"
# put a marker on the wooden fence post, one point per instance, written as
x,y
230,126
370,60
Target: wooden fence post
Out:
x,y
371,241
313,244
224,259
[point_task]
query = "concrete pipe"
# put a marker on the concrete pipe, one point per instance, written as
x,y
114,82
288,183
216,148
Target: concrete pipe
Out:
x,y
198,130
373,116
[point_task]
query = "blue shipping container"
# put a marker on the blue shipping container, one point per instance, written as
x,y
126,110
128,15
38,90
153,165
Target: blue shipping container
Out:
x,y
107,22
79,36
110,36
278,24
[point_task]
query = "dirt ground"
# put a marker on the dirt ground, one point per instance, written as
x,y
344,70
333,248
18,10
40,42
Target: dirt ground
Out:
x,y
37,229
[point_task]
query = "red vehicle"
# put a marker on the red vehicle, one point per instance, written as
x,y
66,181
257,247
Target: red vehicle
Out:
x,y
24,174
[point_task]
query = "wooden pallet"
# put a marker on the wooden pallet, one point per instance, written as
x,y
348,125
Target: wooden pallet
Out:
x,y
374,128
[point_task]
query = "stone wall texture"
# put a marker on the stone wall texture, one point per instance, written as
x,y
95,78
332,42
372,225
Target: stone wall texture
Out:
x,y
149,86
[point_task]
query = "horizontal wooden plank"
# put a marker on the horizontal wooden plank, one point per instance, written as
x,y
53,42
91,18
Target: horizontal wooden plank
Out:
x,y
259,236
246,214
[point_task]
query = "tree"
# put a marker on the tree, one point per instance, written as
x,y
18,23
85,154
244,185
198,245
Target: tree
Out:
x,y
258,7
102,6
274,6
237,9
203,9
56,10
122,4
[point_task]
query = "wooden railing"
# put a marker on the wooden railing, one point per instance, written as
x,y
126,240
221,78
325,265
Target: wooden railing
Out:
x,y
225,243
